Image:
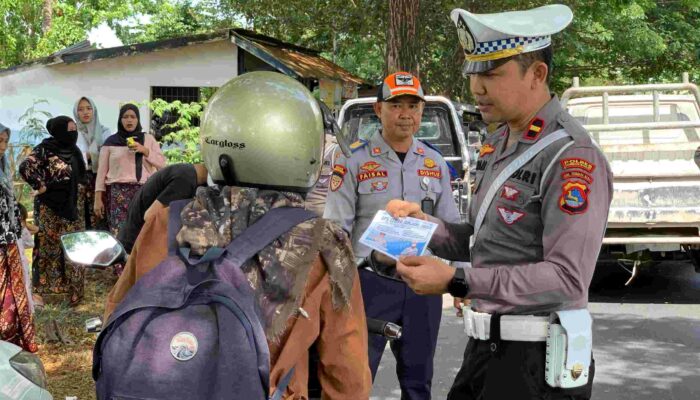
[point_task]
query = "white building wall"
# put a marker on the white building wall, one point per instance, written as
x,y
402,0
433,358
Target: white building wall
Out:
x,y
111,82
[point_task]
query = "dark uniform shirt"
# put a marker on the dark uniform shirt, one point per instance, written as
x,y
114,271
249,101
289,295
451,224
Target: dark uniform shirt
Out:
x,y
538,245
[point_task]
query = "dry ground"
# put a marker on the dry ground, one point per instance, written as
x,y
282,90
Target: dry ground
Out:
x,y
69,366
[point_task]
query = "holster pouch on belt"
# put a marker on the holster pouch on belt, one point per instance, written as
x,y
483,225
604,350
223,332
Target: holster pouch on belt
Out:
x,y
569,348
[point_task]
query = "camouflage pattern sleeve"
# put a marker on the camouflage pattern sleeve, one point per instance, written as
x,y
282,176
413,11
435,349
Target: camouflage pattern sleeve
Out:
x,y
576,198
341,201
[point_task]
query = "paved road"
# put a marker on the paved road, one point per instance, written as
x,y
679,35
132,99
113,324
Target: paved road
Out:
x,y
646,338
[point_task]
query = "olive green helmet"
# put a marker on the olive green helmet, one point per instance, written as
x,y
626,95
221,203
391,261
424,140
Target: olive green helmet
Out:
x,y
264,130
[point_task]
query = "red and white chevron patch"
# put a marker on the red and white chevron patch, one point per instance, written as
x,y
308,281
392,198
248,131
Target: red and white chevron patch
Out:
x,y
509,216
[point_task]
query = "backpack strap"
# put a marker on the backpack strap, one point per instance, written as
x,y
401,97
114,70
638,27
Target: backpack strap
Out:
x,y
282,387
272,225
174,223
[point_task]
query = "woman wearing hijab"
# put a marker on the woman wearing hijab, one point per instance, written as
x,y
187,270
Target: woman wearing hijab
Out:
x,y
16,321
91,136
127,159
56,171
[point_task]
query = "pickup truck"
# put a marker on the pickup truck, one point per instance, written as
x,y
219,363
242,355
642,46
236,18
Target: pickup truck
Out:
x,y
443,126
649,133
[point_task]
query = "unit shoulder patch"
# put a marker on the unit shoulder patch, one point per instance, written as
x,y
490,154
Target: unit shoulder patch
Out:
x,y
337,177
575,174
577,163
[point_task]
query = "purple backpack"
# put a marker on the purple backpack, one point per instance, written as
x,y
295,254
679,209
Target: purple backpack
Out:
x,y
191,328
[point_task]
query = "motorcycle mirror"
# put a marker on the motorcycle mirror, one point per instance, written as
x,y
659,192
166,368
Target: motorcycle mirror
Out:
x,y
342,136
91,248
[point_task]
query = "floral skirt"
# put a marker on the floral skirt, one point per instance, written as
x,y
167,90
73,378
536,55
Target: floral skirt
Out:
x,y
119,197
16,321
57,279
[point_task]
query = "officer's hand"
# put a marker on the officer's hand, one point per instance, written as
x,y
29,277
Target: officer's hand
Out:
x,y
401,208
458,302
425,275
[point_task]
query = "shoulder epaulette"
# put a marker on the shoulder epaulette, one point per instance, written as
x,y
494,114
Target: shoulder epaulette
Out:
x,y
358,145
430,145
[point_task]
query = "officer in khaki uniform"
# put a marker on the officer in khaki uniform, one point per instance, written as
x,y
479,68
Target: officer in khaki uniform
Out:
x,y
393,164
540,206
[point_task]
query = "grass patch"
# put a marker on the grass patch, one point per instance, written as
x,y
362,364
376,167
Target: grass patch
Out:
x,y
69,367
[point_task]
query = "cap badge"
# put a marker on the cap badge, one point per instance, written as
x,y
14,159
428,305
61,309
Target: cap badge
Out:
x,y
183,346
466,39
404,79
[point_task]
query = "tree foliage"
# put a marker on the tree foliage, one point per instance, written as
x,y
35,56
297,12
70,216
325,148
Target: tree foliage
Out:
x,y
615,41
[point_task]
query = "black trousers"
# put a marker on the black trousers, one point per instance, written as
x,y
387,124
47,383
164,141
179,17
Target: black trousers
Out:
x,y
498,370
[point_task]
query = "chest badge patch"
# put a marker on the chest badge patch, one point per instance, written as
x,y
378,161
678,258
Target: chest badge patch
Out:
x,y
420,151
510,193
380,186
429,163
339,172
184,346
486,150
430,173
376,150
574,198
509,216
370,166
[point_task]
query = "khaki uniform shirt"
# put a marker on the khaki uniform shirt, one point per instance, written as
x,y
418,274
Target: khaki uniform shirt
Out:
x,y
374,175
539,242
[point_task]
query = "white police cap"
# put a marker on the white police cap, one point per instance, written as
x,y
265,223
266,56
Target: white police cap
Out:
x,y
487,38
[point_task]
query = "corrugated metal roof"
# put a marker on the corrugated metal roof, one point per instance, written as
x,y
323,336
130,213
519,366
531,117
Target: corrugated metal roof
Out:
x,y
304,64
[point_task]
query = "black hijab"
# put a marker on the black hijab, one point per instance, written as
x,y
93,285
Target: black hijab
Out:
x,y
119,139
62,197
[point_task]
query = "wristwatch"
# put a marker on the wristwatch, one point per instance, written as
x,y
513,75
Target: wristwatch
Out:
x,y
458,286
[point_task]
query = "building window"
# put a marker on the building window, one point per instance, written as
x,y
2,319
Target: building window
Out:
x,y
170,94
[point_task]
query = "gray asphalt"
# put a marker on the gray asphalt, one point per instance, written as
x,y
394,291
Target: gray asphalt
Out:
x,y
646,338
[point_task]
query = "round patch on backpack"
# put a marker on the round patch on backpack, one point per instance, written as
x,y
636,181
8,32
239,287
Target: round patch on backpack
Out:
x,y
183,346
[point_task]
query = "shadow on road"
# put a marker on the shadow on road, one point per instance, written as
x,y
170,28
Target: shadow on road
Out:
x,y
646,358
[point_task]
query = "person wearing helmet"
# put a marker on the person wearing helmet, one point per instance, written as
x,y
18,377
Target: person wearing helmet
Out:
x,y
394,164
262,144
536,223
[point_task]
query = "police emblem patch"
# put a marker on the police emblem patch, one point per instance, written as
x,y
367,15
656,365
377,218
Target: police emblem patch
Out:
x,y
510,193
509,216
466,39
183,346
380,186
574,197
429,163
486,149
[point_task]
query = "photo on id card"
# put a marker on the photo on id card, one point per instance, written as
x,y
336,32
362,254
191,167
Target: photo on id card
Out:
x,y
398,237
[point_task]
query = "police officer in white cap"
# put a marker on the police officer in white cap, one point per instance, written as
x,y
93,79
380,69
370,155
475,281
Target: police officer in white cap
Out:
x,y
539,211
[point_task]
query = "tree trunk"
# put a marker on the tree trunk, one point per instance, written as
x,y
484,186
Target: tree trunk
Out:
x,y
47,13
402,48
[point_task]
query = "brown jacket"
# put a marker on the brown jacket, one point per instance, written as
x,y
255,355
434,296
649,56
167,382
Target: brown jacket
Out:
x,y
341,335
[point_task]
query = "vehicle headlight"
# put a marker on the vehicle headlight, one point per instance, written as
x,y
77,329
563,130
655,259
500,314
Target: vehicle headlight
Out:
x,y
29,366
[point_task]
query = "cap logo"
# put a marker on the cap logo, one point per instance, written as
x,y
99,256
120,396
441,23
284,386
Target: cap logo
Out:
x,y
466,39
183,346
403,80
